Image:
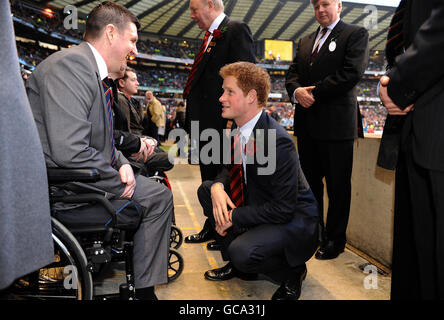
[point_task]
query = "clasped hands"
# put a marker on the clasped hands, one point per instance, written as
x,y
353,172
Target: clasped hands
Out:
x,y
304,96
388,103
147,146
222,215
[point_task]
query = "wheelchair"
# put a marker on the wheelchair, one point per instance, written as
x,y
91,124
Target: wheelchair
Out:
x,y
81,251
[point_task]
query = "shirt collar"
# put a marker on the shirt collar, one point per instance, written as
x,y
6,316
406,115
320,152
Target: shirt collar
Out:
x,y
247,128
101,64
217,22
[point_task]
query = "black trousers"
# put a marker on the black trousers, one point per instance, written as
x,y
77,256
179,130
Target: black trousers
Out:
x,y
418,240
257,250
332,160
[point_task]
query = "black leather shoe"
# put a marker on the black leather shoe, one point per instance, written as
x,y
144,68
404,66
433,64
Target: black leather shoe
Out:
x,y
290,289
329,250
228,272
214,246
207,233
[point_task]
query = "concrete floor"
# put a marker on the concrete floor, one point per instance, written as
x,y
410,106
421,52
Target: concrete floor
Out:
x,y
340,279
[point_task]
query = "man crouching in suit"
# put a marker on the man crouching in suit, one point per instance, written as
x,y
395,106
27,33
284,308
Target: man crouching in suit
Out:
x,y
266,221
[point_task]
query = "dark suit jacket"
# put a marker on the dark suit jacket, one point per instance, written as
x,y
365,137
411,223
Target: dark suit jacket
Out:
x,y
418,78
335,74
236,44
283,197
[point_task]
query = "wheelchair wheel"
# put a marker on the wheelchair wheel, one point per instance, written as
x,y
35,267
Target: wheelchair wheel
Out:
x,y
175,265
65,278
176,237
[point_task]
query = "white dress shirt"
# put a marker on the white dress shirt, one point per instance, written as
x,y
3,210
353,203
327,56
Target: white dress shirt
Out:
x,y
329,30
245,132
101,64
216,23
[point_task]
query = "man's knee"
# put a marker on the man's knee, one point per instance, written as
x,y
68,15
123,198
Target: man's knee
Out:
x,y
243,256
204,191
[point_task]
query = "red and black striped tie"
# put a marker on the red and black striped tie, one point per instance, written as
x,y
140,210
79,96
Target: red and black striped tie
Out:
x,y
107,89
198,59
236,177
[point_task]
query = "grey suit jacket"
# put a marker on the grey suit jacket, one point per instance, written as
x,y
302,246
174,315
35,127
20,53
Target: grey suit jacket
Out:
x,y
25,221
68,103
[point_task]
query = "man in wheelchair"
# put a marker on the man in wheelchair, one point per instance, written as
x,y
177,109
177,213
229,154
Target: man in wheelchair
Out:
x,y
70,99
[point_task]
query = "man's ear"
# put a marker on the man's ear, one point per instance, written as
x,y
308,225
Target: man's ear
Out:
x,y
252,96
121,83
110,32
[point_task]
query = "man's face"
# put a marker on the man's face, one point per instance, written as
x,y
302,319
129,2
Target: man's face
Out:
x,y
327,11
130,84
201,13
234,103
123,45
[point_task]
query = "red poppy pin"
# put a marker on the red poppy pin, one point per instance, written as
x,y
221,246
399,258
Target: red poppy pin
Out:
x,y
250,147
217,34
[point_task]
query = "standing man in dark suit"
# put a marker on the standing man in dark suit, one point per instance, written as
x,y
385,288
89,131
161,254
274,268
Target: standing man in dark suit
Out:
x,y
413,88
321,81
70,99
267,219
226,41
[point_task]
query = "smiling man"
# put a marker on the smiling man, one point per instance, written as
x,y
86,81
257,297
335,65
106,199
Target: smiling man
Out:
x,y
321,81
70,98
266,223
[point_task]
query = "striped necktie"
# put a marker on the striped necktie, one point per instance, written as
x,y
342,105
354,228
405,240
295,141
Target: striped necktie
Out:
x,y
198,59
395,37
107,89
316,48
236,176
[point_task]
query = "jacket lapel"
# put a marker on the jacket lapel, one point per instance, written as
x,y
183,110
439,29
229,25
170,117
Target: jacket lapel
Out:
x,y
334,35
209,52
92,59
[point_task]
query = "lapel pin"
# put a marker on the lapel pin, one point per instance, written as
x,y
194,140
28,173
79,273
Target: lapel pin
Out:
x,y
332,46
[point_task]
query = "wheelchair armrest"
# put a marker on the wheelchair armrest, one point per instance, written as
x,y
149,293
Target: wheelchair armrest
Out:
x,y
60,175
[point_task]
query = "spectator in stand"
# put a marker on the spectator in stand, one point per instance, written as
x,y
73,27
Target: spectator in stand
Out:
x,y
180,123
157,111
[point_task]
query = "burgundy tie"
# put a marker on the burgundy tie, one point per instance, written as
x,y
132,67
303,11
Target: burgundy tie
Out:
x,y
316,49
236,178
198,58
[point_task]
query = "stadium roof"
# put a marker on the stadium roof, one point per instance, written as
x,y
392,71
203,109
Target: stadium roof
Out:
x,y
268,19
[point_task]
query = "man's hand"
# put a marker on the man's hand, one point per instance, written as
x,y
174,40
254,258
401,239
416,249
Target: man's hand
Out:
x,y
388,103
146,149
143,152
127,177
222,229
304,97
221,201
